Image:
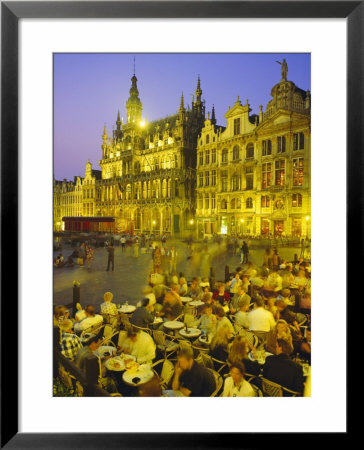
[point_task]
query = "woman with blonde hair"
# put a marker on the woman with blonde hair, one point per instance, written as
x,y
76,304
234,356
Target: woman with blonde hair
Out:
x,y
239,354
280,331
219,348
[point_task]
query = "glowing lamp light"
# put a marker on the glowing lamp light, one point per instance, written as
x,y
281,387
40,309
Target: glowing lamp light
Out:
x,y
142,123
242,220
153,222
307,218
191,221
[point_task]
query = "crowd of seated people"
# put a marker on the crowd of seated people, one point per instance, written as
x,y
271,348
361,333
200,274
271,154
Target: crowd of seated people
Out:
x,y
258,310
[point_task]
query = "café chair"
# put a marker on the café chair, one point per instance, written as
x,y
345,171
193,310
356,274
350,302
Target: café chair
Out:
x,y
146,330
301,319
258,392
166,372
271,389
262,337
210,362
107,339
93,329
184,344
219,382
122,336
166,343
124,319
249,335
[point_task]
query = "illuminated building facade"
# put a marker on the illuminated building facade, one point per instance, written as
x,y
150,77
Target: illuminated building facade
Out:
x,y
147,178
253,177
184,173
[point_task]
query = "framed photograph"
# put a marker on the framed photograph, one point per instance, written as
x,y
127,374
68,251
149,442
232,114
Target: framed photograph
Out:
x,y
61,65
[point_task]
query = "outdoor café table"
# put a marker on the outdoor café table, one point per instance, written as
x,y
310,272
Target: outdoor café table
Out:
x,y
144,373
191,333
196,303
157,322
186,299
127,309
203,339
117,363
173,325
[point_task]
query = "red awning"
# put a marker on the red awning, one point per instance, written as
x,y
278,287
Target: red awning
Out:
x,y
88,219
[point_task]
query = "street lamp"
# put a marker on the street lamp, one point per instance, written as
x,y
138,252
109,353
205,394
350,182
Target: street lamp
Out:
x,y
307,218
191,222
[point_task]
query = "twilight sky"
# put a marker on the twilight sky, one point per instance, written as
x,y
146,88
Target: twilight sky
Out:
x,y
90,88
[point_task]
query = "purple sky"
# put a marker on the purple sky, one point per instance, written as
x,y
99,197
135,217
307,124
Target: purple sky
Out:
x,y
90,88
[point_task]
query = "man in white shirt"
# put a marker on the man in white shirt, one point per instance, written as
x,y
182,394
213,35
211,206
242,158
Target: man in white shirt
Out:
x,y
91,320
140,345
241,317
260,319
235,385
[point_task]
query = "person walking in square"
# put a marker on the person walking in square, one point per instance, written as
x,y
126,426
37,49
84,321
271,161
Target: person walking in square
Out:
x,y
244,253
110,259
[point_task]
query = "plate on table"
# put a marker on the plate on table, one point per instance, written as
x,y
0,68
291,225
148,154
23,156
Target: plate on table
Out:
x,y
85,337
186,299
116,364
105,349
158,320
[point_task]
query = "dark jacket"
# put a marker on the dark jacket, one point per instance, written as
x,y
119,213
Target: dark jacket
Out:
x,y
141,317
282,370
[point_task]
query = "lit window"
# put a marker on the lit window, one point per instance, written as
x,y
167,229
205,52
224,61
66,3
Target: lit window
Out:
x,y
280,172
265,201
296,200
249,203
297,171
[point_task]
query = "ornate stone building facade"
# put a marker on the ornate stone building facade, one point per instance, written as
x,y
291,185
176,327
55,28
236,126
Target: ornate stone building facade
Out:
x,y
253,177
148,175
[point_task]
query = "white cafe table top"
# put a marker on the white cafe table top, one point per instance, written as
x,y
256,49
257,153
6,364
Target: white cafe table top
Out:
x,y
174,325
192,332
127,309
145,373
196,303
186,299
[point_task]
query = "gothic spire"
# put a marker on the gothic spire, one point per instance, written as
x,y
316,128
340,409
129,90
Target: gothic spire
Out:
x,y
213,118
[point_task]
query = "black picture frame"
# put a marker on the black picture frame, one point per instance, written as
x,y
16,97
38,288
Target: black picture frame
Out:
x,y
11,12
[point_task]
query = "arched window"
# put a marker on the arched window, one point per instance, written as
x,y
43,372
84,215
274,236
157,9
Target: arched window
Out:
x,y
156,163
250,151
233,203
249,203
223,204
224,156
236,153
